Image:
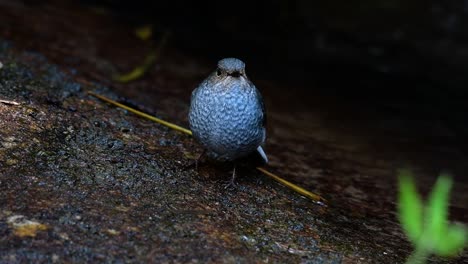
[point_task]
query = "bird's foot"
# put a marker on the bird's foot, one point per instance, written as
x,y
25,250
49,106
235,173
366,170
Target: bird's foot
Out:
x,y
232,183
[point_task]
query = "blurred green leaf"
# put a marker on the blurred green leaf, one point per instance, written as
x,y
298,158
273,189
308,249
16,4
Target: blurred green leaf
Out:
x,y
429,229
410,207
453,241
437,210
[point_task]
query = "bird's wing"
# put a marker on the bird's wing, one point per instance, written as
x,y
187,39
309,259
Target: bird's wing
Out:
x,y
262,105
263,122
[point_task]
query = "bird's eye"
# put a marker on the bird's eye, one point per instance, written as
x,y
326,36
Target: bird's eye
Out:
x,y
218,72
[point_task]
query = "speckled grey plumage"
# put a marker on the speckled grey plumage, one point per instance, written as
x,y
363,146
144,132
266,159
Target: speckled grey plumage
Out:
x,y
227,114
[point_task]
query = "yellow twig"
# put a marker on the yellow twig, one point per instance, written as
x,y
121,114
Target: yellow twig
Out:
x,y
293,186
315,197
152,118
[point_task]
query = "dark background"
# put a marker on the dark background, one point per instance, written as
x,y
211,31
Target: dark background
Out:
x,y
409,57
424,39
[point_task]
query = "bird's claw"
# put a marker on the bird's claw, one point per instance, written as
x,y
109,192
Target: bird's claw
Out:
x,y
230,185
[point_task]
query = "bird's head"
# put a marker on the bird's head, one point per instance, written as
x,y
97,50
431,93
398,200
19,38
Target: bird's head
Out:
x,y
231,67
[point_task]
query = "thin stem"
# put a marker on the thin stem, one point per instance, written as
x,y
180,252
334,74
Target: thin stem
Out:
x,y
418,256
294,187
152,118
150,59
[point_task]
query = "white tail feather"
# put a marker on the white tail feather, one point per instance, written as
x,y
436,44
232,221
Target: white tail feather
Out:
x,y
262,153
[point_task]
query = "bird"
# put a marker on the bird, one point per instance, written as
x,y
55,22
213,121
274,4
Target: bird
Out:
x,y
227,114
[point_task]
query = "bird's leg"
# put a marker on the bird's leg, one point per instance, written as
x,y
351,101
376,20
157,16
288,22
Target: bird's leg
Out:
x,y
194,162
232,182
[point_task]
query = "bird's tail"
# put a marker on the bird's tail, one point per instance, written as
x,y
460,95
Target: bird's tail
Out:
x,y
262,153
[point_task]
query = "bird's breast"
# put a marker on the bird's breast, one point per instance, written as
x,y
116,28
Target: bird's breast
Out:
x,y
227,122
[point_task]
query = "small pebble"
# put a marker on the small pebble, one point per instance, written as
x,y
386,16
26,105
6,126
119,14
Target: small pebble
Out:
x,y
23,227
11,162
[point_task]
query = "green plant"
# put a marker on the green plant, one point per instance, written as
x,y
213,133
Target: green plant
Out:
x,y
426,225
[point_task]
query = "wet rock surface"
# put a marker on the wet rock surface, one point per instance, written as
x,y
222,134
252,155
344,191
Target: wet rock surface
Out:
x,y
82,181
